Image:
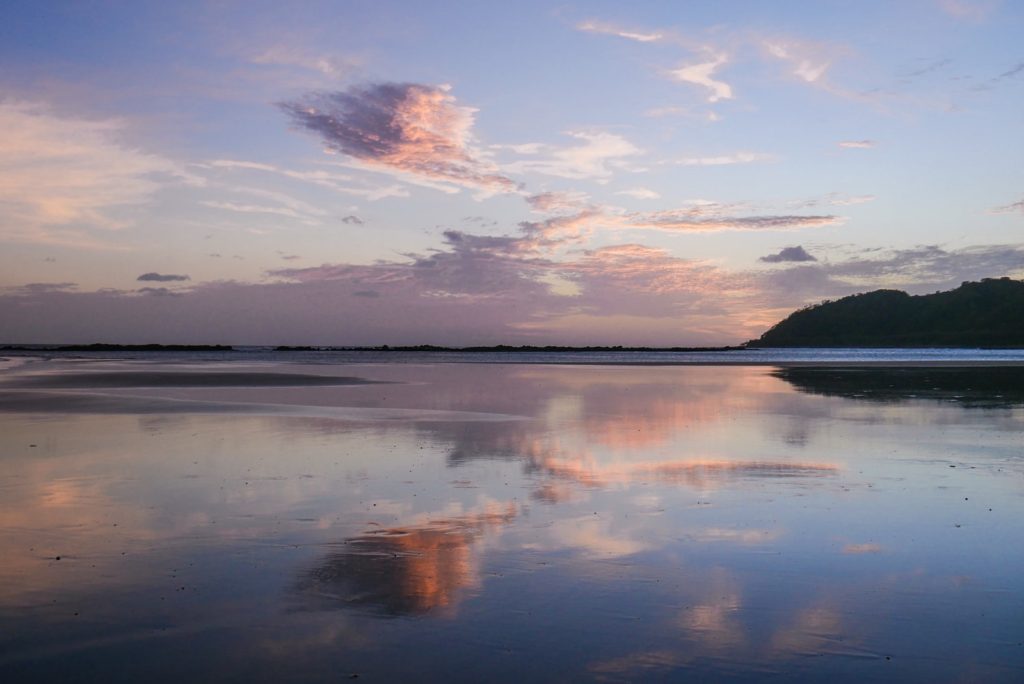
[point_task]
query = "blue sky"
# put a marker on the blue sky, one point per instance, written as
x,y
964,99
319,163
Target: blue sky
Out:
x,y
472,173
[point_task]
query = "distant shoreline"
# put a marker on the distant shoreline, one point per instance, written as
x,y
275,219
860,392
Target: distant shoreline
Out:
x,y
429,348
799,357
103,347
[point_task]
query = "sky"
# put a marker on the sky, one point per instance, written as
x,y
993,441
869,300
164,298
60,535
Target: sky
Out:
x,y
467,173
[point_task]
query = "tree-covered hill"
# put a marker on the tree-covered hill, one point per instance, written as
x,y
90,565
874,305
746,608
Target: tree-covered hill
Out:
x,y
989,313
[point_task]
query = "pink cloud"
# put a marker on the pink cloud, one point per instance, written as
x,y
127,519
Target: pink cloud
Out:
x,y
613,30
857,144
975,11
62,178
702,74
401,127
1013,208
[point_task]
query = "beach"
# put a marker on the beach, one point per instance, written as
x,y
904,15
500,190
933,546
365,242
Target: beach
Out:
x,y
168,518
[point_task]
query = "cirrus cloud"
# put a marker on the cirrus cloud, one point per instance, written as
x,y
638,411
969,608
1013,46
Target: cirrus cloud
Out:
x,y
1013,208
613,30
705,219
856,144
725,160
702,74
62,176
595,157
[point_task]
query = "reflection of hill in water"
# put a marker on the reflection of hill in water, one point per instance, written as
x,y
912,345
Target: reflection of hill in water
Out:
x,y
966,386
407,570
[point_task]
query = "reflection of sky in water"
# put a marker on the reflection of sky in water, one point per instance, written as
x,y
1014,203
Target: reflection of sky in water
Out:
x,y
578,522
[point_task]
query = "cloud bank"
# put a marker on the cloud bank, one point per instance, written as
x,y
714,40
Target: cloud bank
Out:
x,y
489,290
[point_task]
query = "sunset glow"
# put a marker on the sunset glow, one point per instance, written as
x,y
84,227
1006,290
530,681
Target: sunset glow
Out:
x,y
458,174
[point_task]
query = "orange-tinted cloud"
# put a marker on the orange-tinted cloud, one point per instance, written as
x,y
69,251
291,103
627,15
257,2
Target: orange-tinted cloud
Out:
x,y
401,127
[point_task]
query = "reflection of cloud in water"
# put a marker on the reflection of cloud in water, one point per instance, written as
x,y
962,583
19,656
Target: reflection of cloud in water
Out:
x,y
596,537
714,622
695,473
636,665
862,548
809,633
406,570
551,493
720,623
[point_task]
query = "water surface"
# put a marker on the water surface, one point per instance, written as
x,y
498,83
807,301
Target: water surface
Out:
x,y
471,522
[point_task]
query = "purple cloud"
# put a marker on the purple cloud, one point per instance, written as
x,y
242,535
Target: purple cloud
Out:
x,y
161,278
403,127
797,253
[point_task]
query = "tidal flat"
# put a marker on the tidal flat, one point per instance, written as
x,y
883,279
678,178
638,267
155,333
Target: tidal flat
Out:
x,y
510,522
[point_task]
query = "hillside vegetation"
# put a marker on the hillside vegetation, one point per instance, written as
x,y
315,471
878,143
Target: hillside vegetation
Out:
x,y
989,313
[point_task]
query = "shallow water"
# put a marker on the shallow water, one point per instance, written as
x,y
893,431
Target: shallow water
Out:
x,y
478,522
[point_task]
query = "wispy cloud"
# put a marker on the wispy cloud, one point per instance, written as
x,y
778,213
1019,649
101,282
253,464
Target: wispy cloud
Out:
x,y
706,115
807,62
639,193
61,176
698,216
1012,72
834,199
613,30
840,200
546,202
725,159
856,144
702,74
401,127
710,219
928,68
40,288
969,10
339,182
327,64
556,231
595,157
1013,208
258,209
